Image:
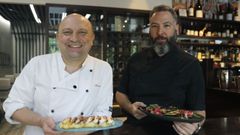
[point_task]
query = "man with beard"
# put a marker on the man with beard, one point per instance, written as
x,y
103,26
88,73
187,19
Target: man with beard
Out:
x,y
65,84
164,75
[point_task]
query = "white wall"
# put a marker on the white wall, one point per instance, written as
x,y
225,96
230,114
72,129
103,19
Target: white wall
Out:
x,y
131,4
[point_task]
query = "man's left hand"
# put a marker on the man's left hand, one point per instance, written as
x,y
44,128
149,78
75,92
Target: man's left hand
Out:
x,y
183,128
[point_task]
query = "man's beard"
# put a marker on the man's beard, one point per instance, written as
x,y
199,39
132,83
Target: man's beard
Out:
x,y
164,48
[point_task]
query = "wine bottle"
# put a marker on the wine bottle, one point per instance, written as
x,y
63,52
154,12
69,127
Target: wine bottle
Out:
x,y
224,33
219,31
227,30
231,35
198,10
191,9
235,14
229,12
235,32
221,9
208,31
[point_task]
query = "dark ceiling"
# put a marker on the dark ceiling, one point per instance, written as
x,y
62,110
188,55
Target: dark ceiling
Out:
x,y
21,12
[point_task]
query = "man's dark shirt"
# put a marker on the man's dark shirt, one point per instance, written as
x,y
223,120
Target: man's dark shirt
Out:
x,y
174,79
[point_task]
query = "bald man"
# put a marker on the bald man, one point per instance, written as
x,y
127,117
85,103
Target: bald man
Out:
x,y
64,84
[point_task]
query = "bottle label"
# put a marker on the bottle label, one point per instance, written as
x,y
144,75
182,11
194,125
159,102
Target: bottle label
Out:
x,y
220,17
199,14
229,16
191,12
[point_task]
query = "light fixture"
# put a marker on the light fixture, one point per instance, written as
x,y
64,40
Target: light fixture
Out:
x,y
3,20
87,16
64,14
34,13
101,17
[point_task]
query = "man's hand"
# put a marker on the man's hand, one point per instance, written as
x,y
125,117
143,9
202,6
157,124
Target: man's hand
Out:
x,y
48,125
183,128
136,112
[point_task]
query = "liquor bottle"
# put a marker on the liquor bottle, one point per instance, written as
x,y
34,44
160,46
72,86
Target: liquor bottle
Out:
x,y
190,29
221,10
219,31
235,32
231,35
227,30
198,10
224,32
191,9
214,30
235,14
208,31
229,12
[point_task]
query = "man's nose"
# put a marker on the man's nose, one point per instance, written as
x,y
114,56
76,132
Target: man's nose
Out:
x,y
74,37
160,31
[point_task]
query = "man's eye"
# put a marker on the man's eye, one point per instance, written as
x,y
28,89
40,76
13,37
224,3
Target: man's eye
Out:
x,y
167,26
67,32
83,33
154,26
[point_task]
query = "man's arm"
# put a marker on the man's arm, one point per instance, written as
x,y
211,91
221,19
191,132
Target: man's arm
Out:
x,y
28,117
123,101
130,107
184,128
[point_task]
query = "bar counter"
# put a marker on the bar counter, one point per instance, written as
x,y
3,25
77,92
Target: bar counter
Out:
x,y
212,126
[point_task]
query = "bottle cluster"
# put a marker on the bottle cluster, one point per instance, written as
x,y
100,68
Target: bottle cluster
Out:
x,y
202,29
222,57
217,9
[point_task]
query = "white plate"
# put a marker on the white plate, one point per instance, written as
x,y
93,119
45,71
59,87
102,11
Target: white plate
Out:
x,y
117,123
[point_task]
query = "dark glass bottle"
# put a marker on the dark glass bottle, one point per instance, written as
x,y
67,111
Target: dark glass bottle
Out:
x,y
198,9
221,11
229,12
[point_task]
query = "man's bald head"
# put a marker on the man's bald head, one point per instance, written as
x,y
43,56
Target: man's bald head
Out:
x,y
78,17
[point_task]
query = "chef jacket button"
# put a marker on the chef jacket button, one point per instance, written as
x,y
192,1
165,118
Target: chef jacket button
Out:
x,y
81,113
74,86
52,111
54,88
90,70
86,90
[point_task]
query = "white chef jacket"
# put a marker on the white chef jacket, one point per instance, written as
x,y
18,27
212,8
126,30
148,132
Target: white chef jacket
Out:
x,y
46,88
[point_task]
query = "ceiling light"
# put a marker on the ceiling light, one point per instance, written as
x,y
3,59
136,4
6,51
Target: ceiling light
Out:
x,y
64,14
34,13
3,20
87,16
101,17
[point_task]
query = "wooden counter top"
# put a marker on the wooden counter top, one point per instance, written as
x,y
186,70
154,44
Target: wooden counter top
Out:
x,y
212,126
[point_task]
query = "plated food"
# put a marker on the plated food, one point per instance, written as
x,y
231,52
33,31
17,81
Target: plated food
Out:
x,y
86,122
172,113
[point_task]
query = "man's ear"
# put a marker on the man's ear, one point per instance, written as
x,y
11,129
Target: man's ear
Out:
x,y
177,29
92,38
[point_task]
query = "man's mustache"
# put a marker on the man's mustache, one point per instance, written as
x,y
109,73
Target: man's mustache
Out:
x,y
160,38
154,40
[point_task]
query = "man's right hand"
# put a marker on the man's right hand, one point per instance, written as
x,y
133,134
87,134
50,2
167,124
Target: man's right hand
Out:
x,y
135,110
48,126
